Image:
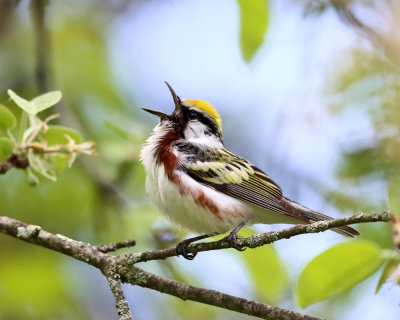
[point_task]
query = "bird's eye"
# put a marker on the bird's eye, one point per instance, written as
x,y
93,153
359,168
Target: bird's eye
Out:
x,y
192,115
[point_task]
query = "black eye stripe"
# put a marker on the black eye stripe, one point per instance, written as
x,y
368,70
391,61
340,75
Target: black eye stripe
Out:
x,y
191,114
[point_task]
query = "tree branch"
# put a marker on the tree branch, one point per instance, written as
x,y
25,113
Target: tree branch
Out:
x,y
114,281
114,246
120,268
261,239
14,160
211,297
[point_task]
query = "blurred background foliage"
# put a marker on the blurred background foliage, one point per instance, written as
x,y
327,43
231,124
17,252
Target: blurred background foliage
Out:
x,y
316,106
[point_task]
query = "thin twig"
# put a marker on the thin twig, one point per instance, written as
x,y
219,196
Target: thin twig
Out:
x,y
84,147
261,239
35,132
114,281
114,246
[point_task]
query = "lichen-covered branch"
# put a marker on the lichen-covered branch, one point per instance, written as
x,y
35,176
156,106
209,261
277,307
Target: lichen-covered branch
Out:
x,y
207,296
57,242
121,268
114,281
114,246
261,239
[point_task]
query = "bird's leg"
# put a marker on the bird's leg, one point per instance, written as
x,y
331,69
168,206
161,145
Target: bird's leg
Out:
x,y
182,246
232,237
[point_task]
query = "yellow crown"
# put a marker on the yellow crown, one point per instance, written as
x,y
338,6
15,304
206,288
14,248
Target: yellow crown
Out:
x,y
207,108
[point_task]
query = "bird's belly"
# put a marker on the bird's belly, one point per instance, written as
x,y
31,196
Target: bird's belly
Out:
x,y
195,207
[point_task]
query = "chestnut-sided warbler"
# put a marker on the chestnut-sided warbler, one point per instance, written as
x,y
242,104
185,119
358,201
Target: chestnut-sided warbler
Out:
x,y
206,189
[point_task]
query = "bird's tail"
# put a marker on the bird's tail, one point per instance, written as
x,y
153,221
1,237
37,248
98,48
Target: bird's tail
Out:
x,y
315,216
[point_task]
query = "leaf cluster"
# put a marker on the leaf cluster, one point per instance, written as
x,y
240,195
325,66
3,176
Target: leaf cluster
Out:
x,y
38,147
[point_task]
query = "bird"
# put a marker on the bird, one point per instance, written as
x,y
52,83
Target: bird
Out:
x,y
206,189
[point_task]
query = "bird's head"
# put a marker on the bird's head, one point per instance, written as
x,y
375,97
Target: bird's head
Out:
x,y
193,119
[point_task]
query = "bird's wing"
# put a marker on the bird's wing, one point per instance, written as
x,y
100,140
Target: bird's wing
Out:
x,y
224,171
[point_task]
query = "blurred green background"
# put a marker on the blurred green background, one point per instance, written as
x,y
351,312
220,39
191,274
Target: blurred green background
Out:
x,y
307,90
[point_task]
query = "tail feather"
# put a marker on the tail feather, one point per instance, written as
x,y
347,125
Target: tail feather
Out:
x,y
315,216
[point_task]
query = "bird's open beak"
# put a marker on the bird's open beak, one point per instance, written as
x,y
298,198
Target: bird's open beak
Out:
x,y
159,114
177,100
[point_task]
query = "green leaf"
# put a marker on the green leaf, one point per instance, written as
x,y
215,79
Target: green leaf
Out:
x,y
337,269
394,194
41,166
37,104
46,101
254,16
20,102
6,148
267,271
57,135
388,270
60,161
31,177
7,119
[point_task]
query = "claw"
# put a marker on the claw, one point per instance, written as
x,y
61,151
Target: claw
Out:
x,y
181,247
232,241
233,237
181,250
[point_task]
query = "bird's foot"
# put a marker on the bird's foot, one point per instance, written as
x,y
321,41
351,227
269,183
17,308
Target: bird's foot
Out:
x,y
181,250
181,247
232,241
233,237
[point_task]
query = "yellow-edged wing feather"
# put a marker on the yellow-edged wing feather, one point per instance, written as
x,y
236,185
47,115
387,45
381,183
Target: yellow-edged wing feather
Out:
x,y
234,176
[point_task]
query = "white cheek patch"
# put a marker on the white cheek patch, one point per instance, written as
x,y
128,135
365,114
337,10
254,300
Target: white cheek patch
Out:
x,y
195,129
198,132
